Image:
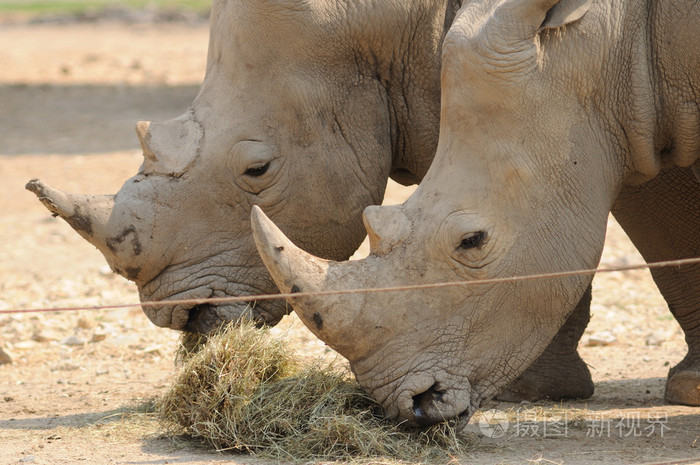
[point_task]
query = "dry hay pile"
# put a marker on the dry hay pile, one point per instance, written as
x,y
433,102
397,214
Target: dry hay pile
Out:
x,y
243,390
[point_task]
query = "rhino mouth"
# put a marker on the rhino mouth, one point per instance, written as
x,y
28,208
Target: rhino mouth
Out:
x,y
437,405
178,297
204,318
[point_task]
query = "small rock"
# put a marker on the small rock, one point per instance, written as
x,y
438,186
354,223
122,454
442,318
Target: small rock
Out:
x,y
646,358
655,339
8,398
106,271
65,366
72,341
24,345
5,357
28,459
41,337
102,371
601,338
98,336
152,349
86,323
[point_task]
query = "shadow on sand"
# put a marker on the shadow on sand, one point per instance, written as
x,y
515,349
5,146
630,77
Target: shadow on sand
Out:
x,y
79,119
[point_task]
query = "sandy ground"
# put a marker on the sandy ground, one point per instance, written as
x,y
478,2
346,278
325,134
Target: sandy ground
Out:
x,y
77,388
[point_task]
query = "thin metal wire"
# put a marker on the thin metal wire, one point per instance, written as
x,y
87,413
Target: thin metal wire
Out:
x,y
297,295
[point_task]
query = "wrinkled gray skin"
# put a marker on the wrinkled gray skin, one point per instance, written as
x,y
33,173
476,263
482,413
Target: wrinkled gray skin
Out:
x,y
306,109
553,114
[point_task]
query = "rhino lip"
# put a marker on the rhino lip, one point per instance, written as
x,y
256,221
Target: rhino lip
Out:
x,y
421,402
202,318
431,406
206,315
423,420
205,318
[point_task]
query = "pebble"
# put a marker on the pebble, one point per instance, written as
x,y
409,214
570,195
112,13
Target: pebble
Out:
x,y
28,459
86,323
106,271
24,345
5,357
41,337
655,339
152,349
65,366
72,341
601,338
98,336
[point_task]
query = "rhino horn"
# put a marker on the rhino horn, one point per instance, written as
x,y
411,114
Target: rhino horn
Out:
x,y
334,318
387,227
143,134
292,268
85,213
92,216
170,147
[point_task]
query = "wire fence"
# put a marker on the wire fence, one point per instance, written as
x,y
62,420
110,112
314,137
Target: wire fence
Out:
x,y
296,295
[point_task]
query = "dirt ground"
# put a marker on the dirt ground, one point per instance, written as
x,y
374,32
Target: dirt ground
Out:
x,y
78,385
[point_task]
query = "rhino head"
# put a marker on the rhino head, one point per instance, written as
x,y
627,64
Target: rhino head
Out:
x,y
536,139
305,110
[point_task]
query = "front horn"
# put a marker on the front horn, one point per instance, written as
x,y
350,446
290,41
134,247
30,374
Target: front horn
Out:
x,y
94,217
337,319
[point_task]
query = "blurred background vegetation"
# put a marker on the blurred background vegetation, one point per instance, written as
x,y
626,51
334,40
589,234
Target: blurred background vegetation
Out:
x,y
31,8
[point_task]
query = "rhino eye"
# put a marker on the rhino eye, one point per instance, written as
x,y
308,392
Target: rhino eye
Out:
x,y
257,171
473,240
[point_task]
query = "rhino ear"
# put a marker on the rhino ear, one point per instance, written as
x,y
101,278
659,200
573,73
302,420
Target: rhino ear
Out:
x,y
565,12
524,19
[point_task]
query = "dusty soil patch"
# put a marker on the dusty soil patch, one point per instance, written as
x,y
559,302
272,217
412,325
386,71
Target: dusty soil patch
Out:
x,y
69,98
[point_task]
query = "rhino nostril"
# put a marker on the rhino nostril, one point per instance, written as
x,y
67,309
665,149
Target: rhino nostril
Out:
x,y
426,408
202,319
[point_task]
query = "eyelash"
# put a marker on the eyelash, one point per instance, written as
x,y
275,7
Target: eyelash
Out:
x,y
256,172
474,240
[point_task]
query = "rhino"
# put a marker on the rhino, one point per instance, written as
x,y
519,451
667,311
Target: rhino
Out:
x,y
306,109
554,113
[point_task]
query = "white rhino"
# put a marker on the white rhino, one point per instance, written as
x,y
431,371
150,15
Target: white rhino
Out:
x,y
306,109
553,114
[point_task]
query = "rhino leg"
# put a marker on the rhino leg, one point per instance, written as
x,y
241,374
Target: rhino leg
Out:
x,y
559,373
662,218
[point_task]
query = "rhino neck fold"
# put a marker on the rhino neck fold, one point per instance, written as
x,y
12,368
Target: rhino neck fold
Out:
x,y
661,124
406,62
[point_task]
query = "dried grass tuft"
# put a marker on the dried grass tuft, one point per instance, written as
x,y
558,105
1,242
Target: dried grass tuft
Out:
x,y
246,391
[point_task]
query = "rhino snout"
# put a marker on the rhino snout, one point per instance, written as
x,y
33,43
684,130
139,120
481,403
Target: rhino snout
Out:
x,y
204,318
426,406
437,404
